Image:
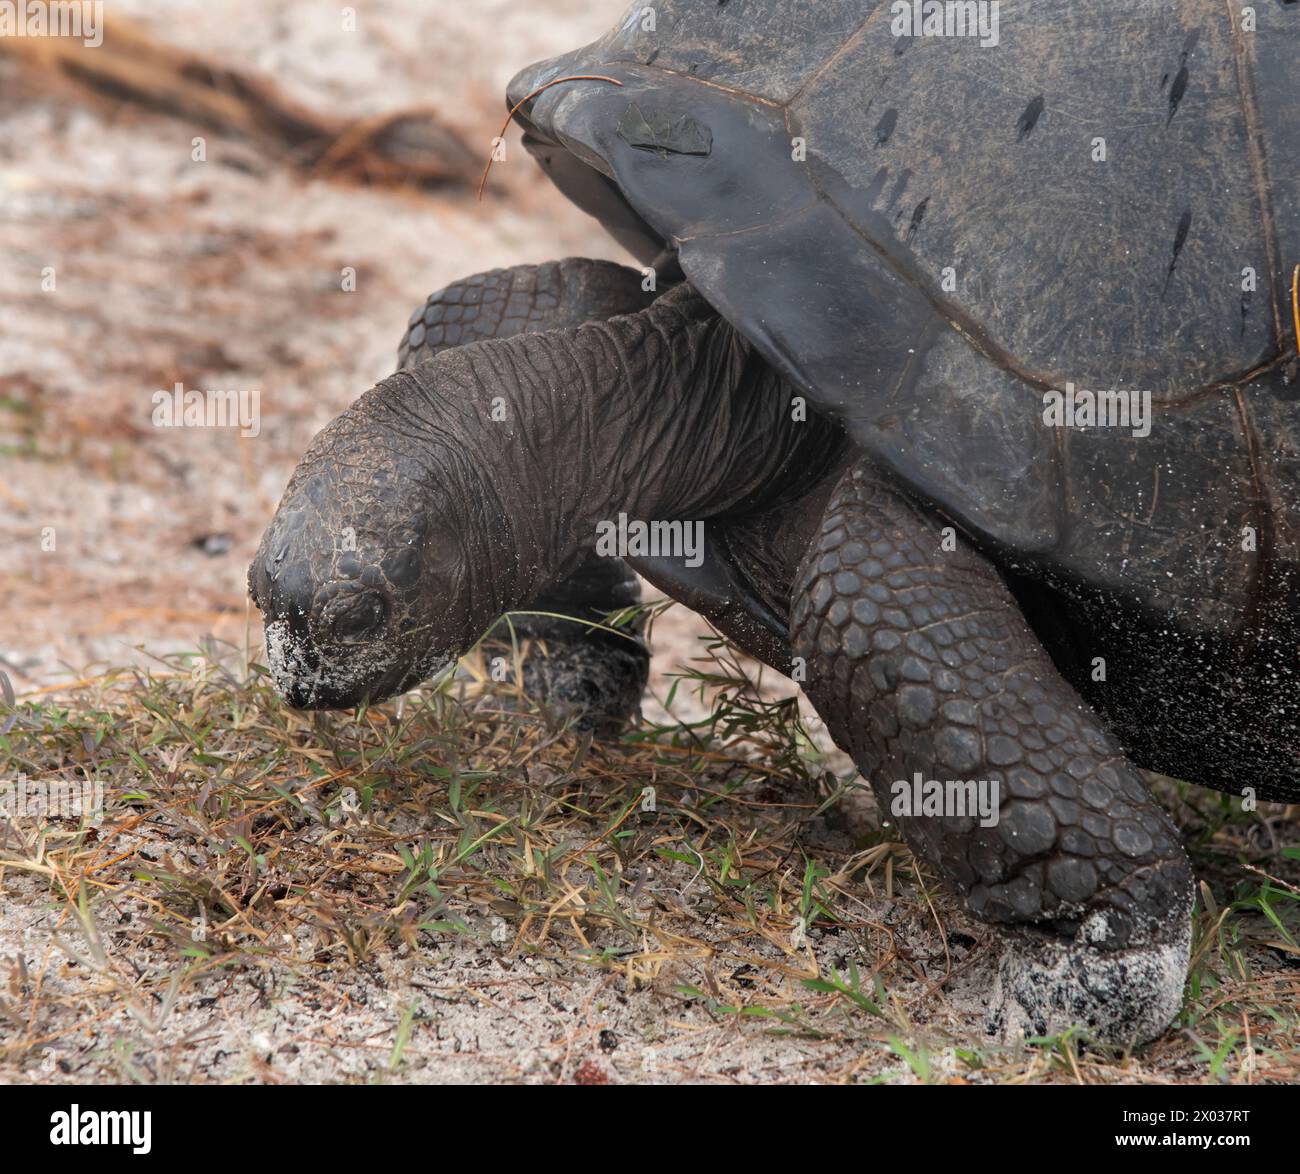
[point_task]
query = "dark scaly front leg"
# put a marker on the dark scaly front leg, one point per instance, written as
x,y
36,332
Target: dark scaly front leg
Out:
x,y
599,674
920,661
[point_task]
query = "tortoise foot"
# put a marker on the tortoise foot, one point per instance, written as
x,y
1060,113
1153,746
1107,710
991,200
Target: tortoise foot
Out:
x,y
597,682
1047,985
924,669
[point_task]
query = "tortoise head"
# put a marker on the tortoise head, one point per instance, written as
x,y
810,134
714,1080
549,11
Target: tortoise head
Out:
x,y
362,575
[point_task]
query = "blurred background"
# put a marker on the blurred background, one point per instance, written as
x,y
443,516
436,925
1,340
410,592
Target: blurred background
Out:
x,y
187,203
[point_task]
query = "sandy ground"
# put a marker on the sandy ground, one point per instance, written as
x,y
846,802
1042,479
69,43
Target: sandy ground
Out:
x,y
223,274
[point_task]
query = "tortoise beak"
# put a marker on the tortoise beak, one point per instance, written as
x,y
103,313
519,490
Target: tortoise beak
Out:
x,y
311,676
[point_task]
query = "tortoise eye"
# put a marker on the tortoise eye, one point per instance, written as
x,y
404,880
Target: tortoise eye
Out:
x,y
356,616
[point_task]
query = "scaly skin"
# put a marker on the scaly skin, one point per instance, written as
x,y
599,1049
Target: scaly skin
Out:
x,y
525,299
919,660
596,673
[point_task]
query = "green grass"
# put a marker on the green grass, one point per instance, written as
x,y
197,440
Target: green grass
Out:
x,y
759,885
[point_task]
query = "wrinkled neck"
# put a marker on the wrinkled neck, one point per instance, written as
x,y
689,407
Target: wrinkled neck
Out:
x,y
664,414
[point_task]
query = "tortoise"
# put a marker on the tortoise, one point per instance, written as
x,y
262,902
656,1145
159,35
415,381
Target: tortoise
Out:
x,y
975,358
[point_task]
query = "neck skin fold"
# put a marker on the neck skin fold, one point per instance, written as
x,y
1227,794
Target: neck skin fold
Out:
x,y
664,414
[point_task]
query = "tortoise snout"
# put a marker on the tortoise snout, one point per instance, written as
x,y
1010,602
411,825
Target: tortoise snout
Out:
x,y
279,578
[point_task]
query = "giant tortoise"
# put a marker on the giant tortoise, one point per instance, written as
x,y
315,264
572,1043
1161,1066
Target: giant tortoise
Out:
x,y
968,333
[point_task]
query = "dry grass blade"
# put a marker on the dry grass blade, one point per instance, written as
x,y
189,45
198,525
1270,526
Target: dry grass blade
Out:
x,y
576,77
407,147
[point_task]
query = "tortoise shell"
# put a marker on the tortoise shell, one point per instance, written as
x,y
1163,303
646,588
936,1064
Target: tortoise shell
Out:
x,y
942,239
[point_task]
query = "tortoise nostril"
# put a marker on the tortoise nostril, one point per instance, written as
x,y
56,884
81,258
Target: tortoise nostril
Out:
x,y
354,616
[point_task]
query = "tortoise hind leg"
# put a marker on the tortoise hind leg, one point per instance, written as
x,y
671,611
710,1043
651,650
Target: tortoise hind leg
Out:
x,y
566,664
920,663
